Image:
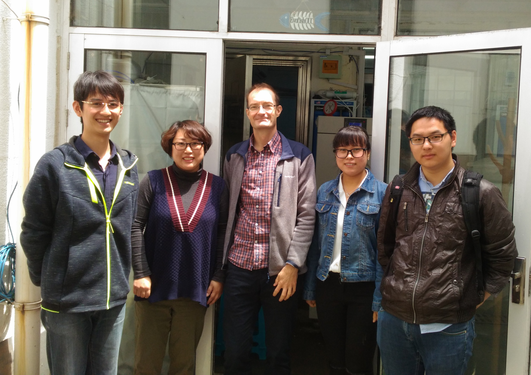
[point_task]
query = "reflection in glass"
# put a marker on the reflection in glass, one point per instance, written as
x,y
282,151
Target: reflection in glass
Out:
x,y
480,90
346,17
442,17
146,14
160,88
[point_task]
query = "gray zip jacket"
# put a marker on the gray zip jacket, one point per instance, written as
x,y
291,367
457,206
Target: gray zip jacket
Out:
x,y
78,248
292,211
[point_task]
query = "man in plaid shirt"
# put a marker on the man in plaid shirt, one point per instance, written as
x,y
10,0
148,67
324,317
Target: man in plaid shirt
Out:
x,y
271,219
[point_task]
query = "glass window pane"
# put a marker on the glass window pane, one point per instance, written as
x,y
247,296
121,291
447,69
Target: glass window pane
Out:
x,y
442,17
160,88
347,17
480,89
146,14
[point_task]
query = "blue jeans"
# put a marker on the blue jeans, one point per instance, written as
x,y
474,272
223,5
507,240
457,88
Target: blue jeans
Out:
x,y
244,292
405,351
83,343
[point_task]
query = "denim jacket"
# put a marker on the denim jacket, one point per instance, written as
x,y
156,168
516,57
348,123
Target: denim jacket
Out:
x,y
359,259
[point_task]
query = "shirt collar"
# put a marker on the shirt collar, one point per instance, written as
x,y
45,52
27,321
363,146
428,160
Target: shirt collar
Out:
x,y
86,151
274,144
423,181
341,191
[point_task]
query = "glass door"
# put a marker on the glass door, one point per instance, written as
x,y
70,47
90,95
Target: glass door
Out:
x,y
482,79
165,80
289,75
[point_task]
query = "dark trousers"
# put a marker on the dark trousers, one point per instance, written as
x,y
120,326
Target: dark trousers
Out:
x,y
345,319
244,293
181,320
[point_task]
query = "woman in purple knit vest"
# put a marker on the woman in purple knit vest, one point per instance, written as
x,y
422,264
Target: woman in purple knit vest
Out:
x,y
177,243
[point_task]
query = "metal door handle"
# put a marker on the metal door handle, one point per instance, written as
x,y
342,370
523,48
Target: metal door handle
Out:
x,y
518,287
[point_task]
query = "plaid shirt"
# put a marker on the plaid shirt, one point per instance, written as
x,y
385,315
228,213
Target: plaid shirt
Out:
x,y
250,249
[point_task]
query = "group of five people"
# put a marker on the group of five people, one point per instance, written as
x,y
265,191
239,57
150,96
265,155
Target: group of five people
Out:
x,y
261,235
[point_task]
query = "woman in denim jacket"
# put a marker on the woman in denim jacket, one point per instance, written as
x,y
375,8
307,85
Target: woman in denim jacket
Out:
x,y
344,276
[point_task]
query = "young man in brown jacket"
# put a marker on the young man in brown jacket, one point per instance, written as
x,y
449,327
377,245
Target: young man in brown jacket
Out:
x,y
430,287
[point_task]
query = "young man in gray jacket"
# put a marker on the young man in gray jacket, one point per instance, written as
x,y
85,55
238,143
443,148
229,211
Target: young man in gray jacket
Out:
x,y
271,182
76,234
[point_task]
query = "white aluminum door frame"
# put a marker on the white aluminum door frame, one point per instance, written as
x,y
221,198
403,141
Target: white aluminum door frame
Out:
x,y
519,315
213,49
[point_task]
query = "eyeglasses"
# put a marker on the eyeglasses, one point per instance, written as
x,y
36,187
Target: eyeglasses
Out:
x,y
434,138
342,153
268,107
97,105
183,145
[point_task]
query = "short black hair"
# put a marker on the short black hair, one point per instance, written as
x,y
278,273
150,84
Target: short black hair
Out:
x,y
352,135
98,81
431,112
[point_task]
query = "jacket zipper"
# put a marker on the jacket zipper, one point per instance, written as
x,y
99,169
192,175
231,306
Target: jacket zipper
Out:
x,y
419,269
448,183
420,254
108,226
279,186
405,213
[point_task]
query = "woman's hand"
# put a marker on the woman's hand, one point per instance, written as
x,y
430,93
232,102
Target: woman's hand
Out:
x,y
214,292
142,287
311,302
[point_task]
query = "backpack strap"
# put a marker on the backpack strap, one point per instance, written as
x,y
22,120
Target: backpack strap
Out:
x,y
397,187
470,204
389,231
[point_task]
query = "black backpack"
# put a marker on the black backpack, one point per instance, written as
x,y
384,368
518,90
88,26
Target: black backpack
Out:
x,y
470,204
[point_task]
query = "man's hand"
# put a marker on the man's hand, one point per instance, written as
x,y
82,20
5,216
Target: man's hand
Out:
x,y
287,281
311,302
487,295
374,316
142,287
214,292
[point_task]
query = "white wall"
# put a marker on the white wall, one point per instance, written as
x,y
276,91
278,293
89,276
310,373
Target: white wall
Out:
x,y
12,82
349,74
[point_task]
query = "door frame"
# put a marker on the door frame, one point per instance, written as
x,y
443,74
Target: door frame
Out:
x,y
214,52
519,315
304,65
211,48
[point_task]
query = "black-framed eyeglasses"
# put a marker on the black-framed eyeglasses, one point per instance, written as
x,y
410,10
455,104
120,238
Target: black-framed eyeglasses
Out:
x,y
434,138
342,153
183,145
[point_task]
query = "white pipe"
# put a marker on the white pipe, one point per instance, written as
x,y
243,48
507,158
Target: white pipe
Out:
x,y
34,93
